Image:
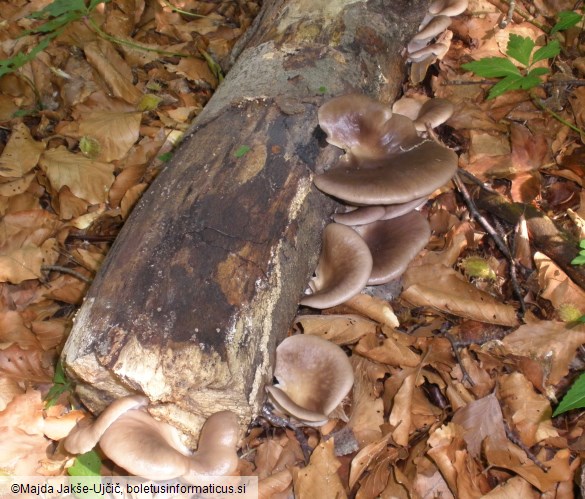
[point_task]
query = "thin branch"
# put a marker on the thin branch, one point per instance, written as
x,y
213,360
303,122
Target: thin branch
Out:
x,y
65,270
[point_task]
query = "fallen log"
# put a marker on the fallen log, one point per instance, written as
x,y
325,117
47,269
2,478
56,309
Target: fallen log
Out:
x,y
205,277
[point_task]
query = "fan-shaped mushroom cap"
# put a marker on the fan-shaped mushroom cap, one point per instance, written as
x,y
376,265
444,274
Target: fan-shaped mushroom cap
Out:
x,y
436,50
394,243
368,214
435,26
145,447
449,8
85,437
344,267
314,375
433,112
401,178
365,128
408,106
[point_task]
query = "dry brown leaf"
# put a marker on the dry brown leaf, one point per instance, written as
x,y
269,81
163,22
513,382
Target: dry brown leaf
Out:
x,y
103,56
552,343
14,331
429,482
21,153
51,333
25,365
27,228
9,388
479,419
367,412
529,412
18,186
196,70
24,412
58,427
374,308
506,455
319,478
274,484
21,264
127,178
514,488
87,179
363,459
391,351
450,292
21,453
401,413
131,198
339,329
379,473
556,286
67,288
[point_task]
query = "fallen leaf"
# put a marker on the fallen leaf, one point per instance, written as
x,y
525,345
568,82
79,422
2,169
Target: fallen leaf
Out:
x,y
21,264
552,343
319,478
87,179
21,153
339,329
450,292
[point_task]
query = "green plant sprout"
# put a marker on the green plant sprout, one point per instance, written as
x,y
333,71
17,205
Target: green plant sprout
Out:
x,y
567,19
61,384
580,258
521,49
574,398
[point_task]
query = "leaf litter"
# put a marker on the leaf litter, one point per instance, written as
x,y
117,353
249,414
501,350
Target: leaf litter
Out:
x,y
454,392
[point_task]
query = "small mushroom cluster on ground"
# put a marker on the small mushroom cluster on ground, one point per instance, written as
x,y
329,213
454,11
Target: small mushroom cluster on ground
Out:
x,y
152,449
387,172
433,38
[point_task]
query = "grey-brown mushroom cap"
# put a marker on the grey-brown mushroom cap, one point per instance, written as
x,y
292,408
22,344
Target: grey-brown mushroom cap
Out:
x,y
363,127
369,214
314,373
433,113
394,244
85,437
145,447
435,26
449,8
344,267
401,178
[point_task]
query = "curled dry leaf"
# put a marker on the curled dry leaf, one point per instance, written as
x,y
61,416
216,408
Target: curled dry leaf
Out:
x,y
21,153
339,329
87,179
556,286
552,343
450,292
375,308
21,264
320,478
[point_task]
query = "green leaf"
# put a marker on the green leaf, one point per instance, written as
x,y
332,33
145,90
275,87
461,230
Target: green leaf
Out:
x,y
165,157
529,82
61,385
578,260
520,48
574,398
538,72
567,19
551,49
512,82
87,464
59,7
242,151
582,243
492,67
322,89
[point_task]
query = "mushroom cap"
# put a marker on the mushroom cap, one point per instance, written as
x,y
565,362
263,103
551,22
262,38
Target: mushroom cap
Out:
x,y
435,26
145,447
368,214
394,243
314,376
216,453
401,178
85,437
449,8
436,50
408,106
365,128
343,270
433,112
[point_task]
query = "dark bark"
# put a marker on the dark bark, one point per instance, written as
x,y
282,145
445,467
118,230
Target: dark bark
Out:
x,y
206,275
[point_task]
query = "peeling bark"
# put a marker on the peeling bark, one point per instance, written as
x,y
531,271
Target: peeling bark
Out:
x,y
205,276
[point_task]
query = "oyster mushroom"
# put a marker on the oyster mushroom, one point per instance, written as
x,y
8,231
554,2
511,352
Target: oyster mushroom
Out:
x,y
152,449
314,376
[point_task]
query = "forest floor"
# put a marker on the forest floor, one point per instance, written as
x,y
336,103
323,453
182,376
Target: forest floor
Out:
x,y
458,400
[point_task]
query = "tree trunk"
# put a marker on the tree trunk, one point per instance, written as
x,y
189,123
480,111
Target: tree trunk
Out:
x,y
205,276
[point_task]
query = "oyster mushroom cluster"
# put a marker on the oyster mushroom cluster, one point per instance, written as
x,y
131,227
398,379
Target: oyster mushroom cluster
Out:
x,y
387,172
433,38
152,449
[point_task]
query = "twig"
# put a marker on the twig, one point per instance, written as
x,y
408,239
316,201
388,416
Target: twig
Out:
x,y
466,376
500,243
540,104
521,13
516,441
65,270
281,422
472,178
508,19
